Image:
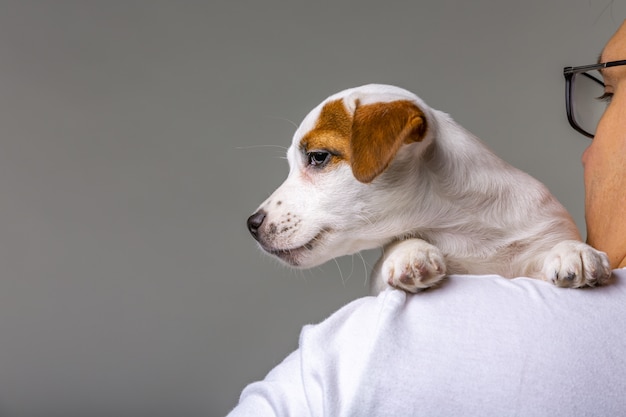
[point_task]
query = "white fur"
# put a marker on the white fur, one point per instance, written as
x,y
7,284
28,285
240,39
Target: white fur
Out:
x,y
460,209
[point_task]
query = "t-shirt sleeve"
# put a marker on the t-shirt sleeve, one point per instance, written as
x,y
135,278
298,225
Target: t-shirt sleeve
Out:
x,y
279,394
297,386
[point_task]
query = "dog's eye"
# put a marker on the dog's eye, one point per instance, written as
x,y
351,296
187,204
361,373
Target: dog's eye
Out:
x,y
318,158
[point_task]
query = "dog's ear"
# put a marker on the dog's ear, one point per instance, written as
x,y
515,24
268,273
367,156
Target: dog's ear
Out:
x,y
378,131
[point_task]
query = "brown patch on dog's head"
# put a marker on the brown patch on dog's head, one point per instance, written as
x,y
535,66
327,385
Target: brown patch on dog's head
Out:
x,y
368,139
378,131
331,132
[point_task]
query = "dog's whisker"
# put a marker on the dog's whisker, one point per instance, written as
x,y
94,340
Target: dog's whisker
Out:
x,y
340,272
284,119
365,268
247,147
366,265
301,274
351,267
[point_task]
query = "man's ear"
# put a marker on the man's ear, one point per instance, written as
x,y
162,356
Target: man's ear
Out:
x,y
378,131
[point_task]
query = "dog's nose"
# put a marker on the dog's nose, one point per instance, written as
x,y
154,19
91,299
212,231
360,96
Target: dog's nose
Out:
x,y
254,222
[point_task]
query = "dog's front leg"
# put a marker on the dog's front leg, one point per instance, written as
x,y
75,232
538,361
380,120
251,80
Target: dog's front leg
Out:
x,y
409,265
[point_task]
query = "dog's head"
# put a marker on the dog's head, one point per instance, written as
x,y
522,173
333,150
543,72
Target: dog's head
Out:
x,y
349,163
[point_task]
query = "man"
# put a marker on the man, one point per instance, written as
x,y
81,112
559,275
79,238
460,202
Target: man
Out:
x,y
481,345
605,162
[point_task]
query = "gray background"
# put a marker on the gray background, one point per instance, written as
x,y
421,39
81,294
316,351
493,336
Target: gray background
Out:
x,y
137,136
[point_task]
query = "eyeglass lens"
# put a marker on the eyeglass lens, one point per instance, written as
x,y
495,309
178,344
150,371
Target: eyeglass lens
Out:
x,y
587,105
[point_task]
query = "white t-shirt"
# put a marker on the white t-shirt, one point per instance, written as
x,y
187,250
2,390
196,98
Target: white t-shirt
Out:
x,y
476,346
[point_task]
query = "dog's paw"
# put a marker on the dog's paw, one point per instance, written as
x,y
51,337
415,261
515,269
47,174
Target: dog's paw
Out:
x,y
575,264
412,265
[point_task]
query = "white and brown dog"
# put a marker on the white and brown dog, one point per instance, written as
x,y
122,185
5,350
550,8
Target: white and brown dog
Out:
x,y
374,166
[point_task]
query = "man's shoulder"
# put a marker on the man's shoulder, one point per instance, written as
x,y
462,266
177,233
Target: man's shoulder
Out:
x,y
479,295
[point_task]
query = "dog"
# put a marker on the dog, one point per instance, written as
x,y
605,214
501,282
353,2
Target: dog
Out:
x,y
375,166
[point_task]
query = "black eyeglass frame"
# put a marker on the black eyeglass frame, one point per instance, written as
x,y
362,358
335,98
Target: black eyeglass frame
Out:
x,y
569,73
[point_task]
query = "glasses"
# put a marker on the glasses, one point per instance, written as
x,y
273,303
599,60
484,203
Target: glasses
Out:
x,y
585,100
